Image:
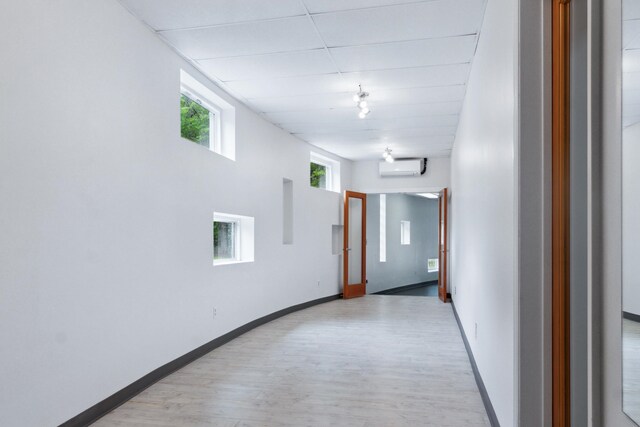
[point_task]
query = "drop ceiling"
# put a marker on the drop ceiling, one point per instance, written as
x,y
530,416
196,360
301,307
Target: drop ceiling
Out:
x,y
299,62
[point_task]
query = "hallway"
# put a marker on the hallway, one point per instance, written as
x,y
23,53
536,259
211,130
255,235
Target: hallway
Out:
x,y
372,361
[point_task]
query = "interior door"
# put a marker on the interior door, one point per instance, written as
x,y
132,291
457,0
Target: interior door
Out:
x,y
442,244
355,245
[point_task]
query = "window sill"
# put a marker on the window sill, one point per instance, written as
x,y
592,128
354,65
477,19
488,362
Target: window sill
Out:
x,y
325,189
217,263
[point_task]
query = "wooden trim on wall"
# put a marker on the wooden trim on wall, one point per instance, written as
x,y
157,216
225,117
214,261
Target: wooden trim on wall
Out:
x,y
560,309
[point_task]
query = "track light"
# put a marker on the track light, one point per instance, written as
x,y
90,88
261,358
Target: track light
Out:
x,y
386,155
360,99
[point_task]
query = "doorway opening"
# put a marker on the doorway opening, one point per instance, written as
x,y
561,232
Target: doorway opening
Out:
x,y
402,244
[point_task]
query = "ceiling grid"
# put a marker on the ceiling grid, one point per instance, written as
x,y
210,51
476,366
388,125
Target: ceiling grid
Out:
x,y
299,63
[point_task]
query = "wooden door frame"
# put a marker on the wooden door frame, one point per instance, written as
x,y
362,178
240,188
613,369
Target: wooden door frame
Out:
x,y
560,207
352,291
443,202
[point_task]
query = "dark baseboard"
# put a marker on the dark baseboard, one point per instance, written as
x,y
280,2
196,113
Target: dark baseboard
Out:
x,y
631,316
491,413
405,288
118,398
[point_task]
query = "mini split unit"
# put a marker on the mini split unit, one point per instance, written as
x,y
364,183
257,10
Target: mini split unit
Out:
x,y
409,167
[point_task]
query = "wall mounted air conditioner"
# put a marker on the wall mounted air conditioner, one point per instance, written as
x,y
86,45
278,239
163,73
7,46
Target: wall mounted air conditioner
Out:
x,y
411,167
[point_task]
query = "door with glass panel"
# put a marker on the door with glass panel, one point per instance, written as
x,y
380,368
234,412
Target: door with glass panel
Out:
x,y
355,246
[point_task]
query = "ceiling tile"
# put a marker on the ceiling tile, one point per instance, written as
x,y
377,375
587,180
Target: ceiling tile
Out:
x,y
295,103
253,38
291,86
269,66
417,95
344,100
418,53
321,6
357,124
432,19
172,14
329,116
372,81
631,61
442,133
631,34
630,9
440,75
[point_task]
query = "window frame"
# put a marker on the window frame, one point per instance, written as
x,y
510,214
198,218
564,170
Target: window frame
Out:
x,y
215,118
222,115
327,175
237,230
332,176
244,238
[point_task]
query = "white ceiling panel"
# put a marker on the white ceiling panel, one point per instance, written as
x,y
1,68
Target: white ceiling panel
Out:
x,y
269,66
337,115
631,34
632,109
295,103
416,95
321,6
372,124
344,100
252,38
630,81
400,23
631,61
171,14
373,151
442,75
417,53
443,134
630,120
630,9
291,86
630,97
413,57
447,75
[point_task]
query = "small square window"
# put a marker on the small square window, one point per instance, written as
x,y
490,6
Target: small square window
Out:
x,y
225,240
233,239
320,175
198,123
206,118
405,233
324,173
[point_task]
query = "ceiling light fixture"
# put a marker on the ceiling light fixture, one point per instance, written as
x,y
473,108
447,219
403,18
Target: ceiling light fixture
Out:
x,y
387,155
360,99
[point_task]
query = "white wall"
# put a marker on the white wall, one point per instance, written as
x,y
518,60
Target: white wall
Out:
x,y
483,178
106,213
366,178
630,222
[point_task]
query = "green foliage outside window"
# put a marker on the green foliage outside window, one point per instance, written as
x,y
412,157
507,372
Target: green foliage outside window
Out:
x,y
194,121
318,175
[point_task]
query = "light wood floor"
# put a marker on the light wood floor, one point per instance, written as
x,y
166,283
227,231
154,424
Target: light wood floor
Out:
x,y
373,361
631,368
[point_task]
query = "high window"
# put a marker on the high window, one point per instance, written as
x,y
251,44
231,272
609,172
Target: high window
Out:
x,y
206,118
324,173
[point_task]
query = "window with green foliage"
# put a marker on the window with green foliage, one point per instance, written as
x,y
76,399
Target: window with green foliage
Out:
x,y
195,121
319,174
225,240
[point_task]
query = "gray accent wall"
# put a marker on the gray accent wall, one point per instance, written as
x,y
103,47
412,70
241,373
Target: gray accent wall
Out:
x,y
406,264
